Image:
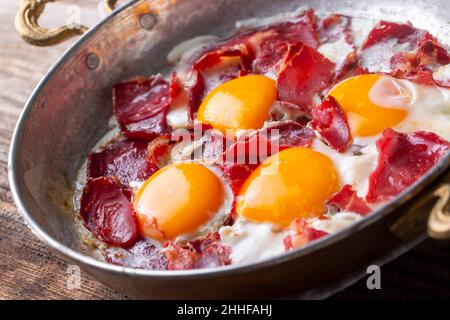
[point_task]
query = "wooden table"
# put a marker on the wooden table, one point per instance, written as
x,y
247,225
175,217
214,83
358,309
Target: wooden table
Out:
x,y
30,270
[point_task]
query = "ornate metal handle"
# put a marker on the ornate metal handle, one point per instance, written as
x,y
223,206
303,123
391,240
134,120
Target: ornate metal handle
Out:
x,y
439,219
29,29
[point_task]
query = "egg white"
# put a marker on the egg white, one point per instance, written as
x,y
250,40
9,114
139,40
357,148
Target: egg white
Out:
x,y
360,28
251,241
183,51
442,74
177,116
352,169
336,51
335,222
429,110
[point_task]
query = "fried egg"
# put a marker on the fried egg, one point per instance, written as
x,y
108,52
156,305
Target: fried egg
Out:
x,y
239,104
294,183
372,103
375,102
180,199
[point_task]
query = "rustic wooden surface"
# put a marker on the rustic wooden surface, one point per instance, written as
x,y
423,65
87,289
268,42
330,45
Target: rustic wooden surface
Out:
x,y
30,270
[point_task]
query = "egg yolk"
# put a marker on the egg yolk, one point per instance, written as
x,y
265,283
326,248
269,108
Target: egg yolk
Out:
x,y
177,199
241,103
294,183
365,117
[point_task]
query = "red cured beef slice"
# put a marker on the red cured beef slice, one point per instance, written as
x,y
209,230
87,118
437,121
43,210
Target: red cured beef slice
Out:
x,y
302,28
403,33
141,105
431,52
213,58
314,234
125,160
195,93
303,76
270,55
108,213
418,55
329,120
242,157
335,28
237,174
215,145
302,234
220,63
225,69
142,255
158,151
402,160
290,134
418,66
188,92
262,48
204,252
347,199
248,150
274,44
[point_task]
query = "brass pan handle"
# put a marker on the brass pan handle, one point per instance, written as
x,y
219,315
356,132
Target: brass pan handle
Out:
x,y
439,219
27,24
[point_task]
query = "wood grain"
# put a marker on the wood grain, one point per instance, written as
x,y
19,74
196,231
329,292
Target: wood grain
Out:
x,y
30,270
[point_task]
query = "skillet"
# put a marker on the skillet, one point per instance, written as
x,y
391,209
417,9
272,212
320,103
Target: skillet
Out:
x,y
70,108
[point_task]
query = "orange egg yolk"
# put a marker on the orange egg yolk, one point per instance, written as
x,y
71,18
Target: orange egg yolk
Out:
x,y
241,103
365,117
177,199
294,183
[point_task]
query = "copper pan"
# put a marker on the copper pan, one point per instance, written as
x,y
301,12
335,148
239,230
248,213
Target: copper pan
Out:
x,y
70,108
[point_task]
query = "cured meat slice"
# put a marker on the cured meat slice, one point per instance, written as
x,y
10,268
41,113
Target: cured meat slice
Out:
x,y
405,52
108,212
304,76
330,122
204,252
403,158
141,105
126,161
302,234
347,200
